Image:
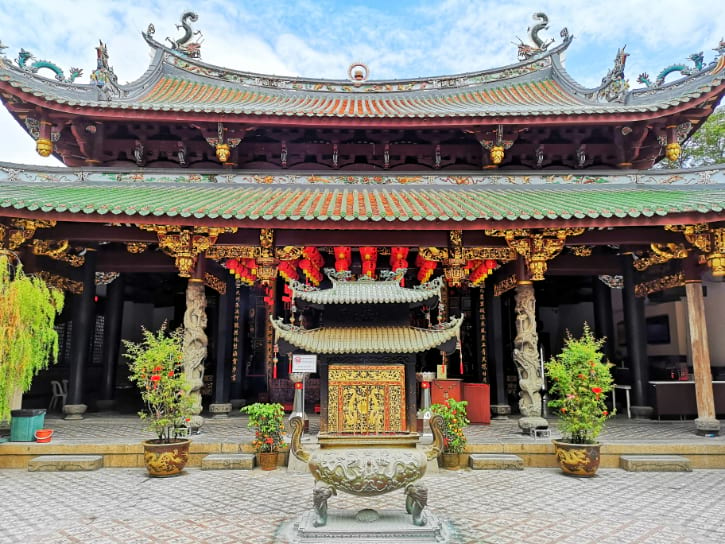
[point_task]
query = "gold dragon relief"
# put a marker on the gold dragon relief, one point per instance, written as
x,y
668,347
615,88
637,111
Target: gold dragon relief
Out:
x,y
366,399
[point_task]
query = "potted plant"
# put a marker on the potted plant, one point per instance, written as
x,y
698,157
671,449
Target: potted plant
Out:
x,y
157,369
579,383
28,340
267,419
454,440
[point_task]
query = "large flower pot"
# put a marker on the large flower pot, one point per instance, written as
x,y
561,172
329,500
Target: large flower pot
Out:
x,y
450,461
577,459
267,460
165,459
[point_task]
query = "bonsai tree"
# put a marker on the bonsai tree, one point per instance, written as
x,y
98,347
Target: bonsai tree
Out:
x,y
580,380
28,340
268,422
454,420
157,369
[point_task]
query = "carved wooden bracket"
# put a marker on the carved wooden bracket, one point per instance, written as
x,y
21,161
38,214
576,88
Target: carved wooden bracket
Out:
x,y
19,231
58,250
660,253
709,241
60,282
660,284
536,247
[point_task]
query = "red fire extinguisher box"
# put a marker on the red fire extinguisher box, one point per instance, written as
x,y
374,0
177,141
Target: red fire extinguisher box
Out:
x,y
479,402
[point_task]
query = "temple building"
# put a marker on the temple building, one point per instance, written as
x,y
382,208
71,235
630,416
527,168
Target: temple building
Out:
x,y
198,193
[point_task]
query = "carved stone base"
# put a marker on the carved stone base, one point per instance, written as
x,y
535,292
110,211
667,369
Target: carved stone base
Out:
x,y
342,526
532,422
642,412
74,411
195,423
707,427
220,410
500,411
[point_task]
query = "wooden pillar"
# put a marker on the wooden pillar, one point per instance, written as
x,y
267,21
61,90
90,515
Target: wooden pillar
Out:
x,y
603,321
636,340
706,423
225,316
83,325
112,321
241,315
494,343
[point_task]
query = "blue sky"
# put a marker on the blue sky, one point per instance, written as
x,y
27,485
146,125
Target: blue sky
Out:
x,y
395,38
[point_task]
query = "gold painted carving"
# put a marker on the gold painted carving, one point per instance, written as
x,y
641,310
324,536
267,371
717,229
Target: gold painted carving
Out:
x,y
660,253
186,243
659,284
366,399
44,147
266,255
20,231
232,252
219,285
504,285
60,282
57,250
536,248
710,242
581,251
136,247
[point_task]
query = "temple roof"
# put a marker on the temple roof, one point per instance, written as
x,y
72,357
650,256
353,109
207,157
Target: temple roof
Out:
x,y
366,291
537,87
146,197
367,339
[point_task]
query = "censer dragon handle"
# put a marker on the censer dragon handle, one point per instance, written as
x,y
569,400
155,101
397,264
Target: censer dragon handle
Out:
x,y
437,426
295,443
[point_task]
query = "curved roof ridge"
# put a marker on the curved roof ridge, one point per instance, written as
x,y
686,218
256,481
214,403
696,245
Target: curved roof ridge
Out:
x,y
196,67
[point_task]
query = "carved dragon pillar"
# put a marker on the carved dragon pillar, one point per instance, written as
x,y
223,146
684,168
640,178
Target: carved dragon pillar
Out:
x,y
195,341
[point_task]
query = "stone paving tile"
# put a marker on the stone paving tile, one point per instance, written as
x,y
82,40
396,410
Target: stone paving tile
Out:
x,y
536,506
129,429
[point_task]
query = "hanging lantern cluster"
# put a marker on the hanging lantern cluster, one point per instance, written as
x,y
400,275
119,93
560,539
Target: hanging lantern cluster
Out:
x,y
312,264
244,270
369,257
343,258
480,270
288,270
425,268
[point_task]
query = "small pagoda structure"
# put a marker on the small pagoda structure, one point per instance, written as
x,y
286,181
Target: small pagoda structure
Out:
x,y
367,349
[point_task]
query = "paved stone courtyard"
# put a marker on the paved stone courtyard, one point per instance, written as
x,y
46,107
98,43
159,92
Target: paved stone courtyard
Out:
x,y
534,506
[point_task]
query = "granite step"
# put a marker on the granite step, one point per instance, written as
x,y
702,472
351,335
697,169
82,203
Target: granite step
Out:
x,y
495,461
228,461
655,463
57,463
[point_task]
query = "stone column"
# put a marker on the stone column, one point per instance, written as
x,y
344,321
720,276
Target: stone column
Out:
x,y
225,327
494,343
636,340
83,319
526,354
195,342
603,321
706,423
111,342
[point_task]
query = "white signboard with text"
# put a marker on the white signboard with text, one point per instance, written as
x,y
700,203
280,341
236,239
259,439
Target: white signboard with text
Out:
x,y
304,363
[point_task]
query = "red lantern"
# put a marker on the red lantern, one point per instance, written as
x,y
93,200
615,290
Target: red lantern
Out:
x,y
398,256
343,258
369,256
298,385
288,270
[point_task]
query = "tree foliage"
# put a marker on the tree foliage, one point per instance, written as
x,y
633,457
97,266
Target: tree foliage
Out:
x,y
28,340
705,147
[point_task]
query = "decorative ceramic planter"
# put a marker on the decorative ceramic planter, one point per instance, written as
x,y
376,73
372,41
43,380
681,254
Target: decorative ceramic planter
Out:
x,y
577,459
165,459
267,460
450,461
43,435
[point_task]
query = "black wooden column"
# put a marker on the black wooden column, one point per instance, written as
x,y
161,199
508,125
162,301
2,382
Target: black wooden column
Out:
x,y
113,318
500,409
225,330
83,318
603,321
636,340
243,353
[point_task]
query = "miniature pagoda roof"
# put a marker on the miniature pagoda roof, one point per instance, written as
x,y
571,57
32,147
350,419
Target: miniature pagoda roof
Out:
x,y
181,87
596,199
388,339
367,291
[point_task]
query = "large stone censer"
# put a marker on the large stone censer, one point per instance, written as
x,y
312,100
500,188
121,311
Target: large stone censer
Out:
x,y
369,470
